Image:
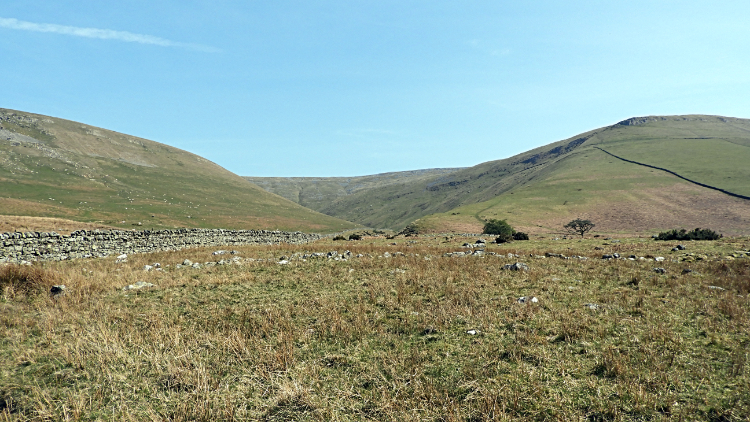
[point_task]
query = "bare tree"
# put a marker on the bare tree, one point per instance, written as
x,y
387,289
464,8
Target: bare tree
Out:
x,y
579,226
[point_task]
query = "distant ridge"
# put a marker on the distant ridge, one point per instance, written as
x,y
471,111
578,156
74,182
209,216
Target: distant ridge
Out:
x,y
669,171
318,192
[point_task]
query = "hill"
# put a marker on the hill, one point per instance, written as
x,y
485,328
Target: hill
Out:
x,y
51,167
318,192
602,174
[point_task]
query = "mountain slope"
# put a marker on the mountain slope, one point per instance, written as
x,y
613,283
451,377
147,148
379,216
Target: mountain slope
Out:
x,y
569,177
58,168
318,192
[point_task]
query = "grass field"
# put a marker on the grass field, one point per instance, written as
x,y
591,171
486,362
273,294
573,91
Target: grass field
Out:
x,y
413,336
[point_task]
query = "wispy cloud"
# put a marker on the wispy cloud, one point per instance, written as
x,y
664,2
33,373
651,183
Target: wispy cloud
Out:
x,y
103,34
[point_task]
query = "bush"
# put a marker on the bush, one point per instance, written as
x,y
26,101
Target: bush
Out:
x,y
503,238
498,227
520,236
355,237
682,234
503,230
339,237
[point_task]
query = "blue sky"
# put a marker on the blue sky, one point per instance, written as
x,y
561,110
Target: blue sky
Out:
x,y
347,88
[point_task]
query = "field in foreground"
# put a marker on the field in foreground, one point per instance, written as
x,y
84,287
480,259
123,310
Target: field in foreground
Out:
x,y
413,336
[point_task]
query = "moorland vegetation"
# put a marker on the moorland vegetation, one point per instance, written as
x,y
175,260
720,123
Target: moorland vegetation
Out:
x,y
393,331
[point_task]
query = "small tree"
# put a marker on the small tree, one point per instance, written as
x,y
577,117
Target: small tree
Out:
x,y
579,226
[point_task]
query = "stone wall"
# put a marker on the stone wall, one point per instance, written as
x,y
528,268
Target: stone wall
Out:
x,y
43,246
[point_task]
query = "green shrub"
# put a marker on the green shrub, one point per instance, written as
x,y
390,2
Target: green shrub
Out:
x,y
520,236
682,234
355,236
498,227
503,238
339,237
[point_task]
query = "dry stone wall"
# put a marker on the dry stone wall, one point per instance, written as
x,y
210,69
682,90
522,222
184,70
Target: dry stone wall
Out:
x,y
44,246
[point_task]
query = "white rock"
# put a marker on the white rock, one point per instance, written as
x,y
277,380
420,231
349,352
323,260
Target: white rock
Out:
x,y
137,286
659,259
123,256
283,262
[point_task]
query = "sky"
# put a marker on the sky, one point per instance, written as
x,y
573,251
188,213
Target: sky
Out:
x,y
350,88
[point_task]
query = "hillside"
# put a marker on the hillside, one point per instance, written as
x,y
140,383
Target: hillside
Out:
x,y
318,192
51,167
544,187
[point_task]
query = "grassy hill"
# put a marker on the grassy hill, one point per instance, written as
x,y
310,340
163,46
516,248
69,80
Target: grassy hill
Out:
x,y
52,167
318,192
541,189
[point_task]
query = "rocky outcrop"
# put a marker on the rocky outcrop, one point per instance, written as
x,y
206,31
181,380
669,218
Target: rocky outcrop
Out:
x,y
43,246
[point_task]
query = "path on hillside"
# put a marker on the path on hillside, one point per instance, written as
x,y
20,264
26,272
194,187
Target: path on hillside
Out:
x,y
736,195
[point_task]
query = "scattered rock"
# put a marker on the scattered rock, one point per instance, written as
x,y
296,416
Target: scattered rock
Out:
x,y
473,332
527,299
716,288
187,262
660,270
592,306
659,259
123,256
283,262
518,266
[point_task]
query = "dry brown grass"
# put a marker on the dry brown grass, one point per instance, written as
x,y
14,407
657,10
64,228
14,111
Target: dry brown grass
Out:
x,y
384,338
15,223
